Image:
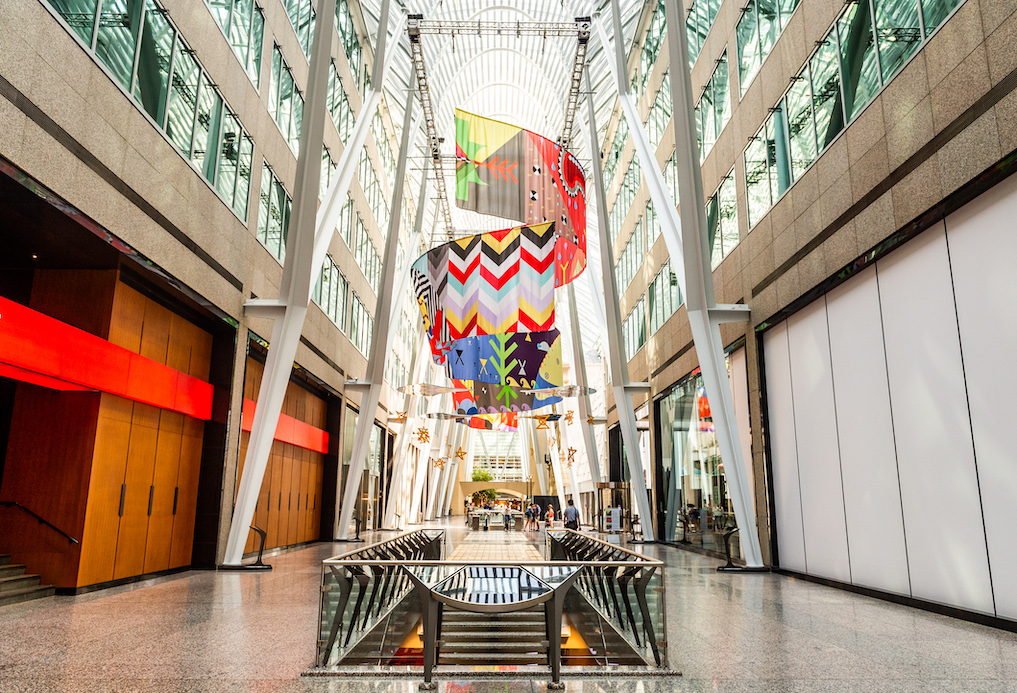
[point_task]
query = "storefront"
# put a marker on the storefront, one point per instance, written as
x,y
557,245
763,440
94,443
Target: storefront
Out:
x,y
694,504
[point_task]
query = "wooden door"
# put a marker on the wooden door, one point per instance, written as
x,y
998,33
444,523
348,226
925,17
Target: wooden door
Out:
x,y
186,493
164,491
137,493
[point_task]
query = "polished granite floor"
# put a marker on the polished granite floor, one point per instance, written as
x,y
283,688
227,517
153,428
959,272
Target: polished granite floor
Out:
x,y
206,631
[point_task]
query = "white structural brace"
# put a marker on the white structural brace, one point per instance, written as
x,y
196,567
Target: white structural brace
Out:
x,y
381,332
585,411
695,275
618,362
290,309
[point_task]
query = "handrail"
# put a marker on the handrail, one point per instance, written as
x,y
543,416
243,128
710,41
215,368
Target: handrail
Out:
x,y
42,521
606,544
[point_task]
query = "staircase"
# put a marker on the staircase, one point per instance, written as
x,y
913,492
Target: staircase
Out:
x,y
16,586
493,639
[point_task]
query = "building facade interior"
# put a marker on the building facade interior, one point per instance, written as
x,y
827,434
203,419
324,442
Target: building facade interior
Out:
x,y
365,290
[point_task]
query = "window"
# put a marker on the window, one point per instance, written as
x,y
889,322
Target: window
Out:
x,y
663,297
758,28
652,42
145,53
631,258
339,107
848,68
330,293
285,102
327,168
714,108
722,220
701,15
634,328
361,326
351,43
621,138
624,199
660,113
273,214
243,23
301,14
372,188
384,147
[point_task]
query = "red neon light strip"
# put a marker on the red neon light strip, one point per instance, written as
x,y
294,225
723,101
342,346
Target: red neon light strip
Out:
x,y
289,430
48,348
40,380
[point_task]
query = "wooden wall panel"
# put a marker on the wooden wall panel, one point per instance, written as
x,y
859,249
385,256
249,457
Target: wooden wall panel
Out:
x,y
81,298
133,534
109,464
164,485
47,468
187,496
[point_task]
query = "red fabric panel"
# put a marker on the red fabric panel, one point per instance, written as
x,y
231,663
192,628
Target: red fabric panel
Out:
x,y
34,342
289,430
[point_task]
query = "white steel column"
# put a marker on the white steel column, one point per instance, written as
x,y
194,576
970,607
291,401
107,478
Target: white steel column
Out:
x,y
537,456
585,410
563,437
618,362
423,354
435,477
381,333
399,471
696,275
705,314
290,308
559,479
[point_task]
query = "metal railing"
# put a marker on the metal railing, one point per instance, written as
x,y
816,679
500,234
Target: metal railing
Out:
x,y
625,588
361,588
42,521
618,598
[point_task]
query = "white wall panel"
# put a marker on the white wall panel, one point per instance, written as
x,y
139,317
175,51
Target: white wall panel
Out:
x,y
983,247
816,434
942,513
783,453
738,374
875,525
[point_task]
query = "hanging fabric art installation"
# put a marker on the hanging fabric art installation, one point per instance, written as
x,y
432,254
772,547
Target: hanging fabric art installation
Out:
x,y
509,172
491,283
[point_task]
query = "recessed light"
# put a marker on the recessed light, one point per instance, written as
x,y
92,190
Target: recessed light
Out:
x,y
34,256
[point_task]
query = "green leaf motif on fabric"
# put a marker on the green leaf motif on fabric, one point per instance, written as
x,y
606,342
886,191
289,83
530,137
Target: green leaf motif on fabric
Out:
x,y
503,367
466,172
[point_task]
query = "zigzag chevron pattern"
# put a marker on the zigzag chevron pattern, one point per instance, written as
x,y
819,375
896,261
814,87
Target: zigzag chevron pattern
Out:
x,y
491,283
508,172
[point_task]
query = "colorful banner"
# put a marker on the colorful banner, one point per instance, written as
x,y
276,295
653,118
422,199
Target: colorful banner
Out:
x,y
512,358
508,172
491,283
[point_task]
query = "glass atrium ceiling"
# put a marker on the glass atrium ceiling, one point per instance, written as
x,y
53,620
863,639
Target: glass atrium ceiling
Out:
x,y
523,80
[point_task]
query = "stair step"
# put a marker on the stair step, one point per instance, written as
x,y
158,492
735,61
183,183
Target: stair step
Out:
x,y
8,597
481,635
493,650
488,626
11,570
18,582
513,617
5,559
485,658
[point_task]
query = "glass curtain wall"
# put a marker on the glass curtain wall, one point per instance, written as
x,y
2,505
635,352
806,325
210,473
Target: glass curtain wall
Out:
x,y
693,504
144,52
866,46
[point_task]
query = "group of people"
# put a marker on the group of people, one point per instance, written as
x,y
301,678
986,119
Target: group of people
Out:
x,y
533,516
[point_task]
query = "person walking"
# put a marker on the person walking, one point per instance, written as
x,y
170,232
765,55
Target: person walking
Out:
x,y
571,516
550,517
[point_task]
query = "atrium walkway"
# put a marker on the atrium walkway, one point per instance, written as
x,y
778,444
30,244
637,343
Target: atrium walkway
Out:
x,y
224,632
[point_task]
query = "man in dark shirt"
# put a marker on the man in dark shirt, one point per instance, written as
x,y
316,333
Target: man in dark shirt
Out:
x,y
571,516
